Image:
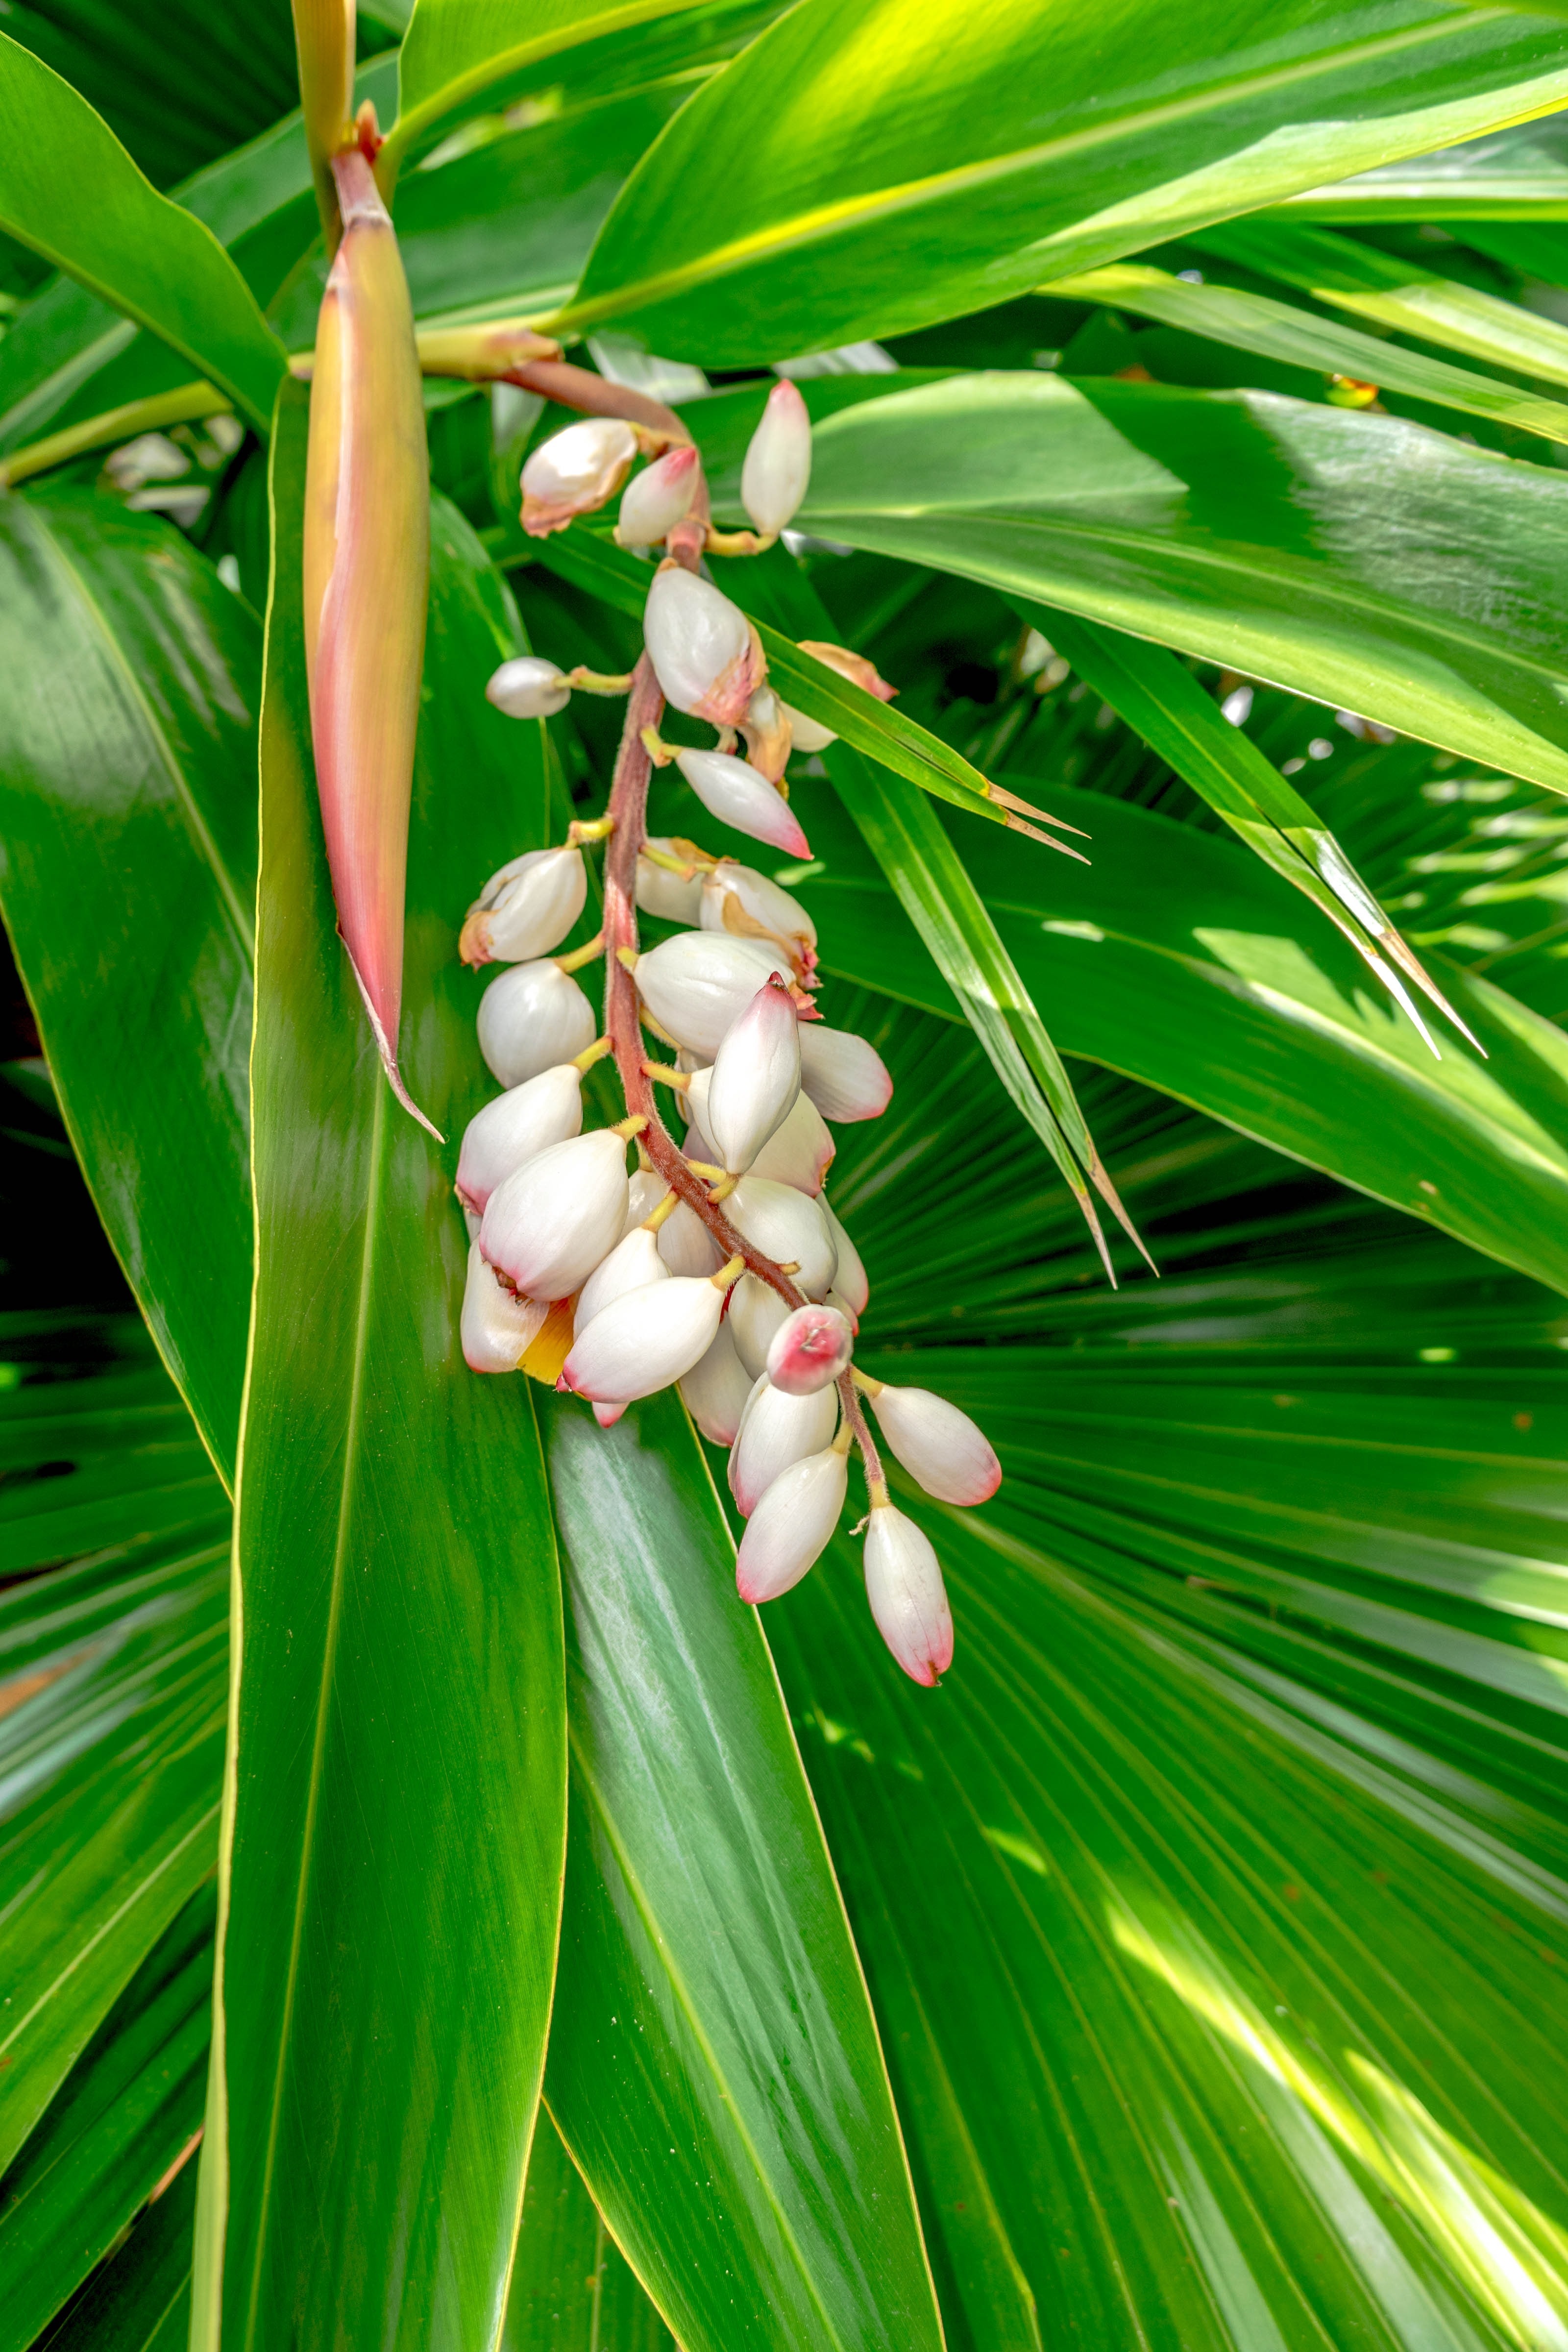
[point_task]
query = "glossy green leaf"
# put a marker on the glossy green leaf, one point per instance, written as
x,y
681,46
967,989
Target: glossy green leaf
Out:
x,y
571,2287
397,1609
132,681
713,2067
69,189
870,166
1252,322
1517,174
139,2301
1363,561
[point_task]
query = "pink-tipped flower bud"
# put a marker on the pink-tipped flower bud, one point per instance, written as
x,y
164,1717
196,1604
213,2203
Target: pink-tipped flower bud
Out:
x,y
769,738
686,1245
526,907
756,1311
575,473
777,464
792,1525
755,1078
715,1390
846,1079
810,734
907,1598
525,1119
809,1350
738,899
798,1153
733,791
658,498
787,1226
673,897
529,687
497,1329
531,1017
708,656
551,1220
632,1265
937,1445
776,1430
697,984
645,1339
850,1279
606,1415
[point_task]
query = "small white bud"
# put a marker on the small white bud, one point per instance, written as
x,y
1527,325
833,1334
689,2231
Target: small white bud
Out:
x,y
836,1298
766,729
673,897
532,1016
632,1265
755,1078
846,1079
799,1152
937,1445
777,464
686,1245
644,1341
644,1194
549,1225
606,1415
909,1601
787,1226
809,1350
807,734
738,899
497,1329
655,500
715,1390
810,734
574,472
850,1279
756,1311
776,1430
792,1525
733,791
529,687
707,656
525,1119
526,909
696,984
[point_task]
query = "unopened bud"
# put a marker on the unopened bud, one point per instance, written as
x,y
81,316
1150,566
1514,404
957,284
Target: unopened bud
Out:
x,y
574,472
655,500
734,792
526,909
809,1350
805,734
531,1017
756,1311
799,1152
497,1329
697,983
551,1220
632,1265
836,1298
738,899
644,1194
850,1279
787,1226
909,1601
480,353
766,728
686,1244
715,1390
777,464
529,687
526,1120
810,734
937,1445
644,1341
792,1525
776,1430
673,897
707,656
846,1079
606,1415
755,1077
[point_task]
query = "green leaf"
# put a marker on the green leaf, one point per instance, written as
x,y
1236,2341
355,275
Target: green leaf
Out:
x,y
571,2287
713,2066
127,878
1251,322
69,189
1519,173
140,2301
398,1611
868,167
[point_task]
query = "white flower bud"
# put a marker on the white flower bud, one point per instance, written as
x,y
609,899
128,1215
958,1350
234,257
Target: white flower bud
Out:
x,y
850,1279
799,1152
686,1244
733,791
673,897
606,1415
777,464
574,472
529,687
787,1226
532,1016
937,1445
792,1525
696,984
810,734
715,1390
809,1350
909,1601
846,1079
756,1311
807,734
632,1265
497,1329
755,1078
655,500
645,1339
766,729
551,1220
706,654
644,1194
837,1299
526,909
776,1430
526,1120
745,903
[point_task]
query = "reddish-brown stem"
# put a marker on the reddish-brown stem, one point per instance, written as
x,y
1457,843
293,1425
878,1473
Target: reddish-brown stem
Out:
x,y
853,1414
596,395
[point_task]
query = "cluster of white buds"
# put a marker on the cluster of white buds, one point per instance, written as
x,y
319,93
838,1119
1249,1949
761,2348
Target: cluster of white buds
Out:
x,y
718,1266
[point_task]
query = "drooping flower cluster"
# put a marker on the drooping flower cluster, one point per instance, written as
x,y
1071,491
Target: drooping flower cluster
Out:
x,y
718,1266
